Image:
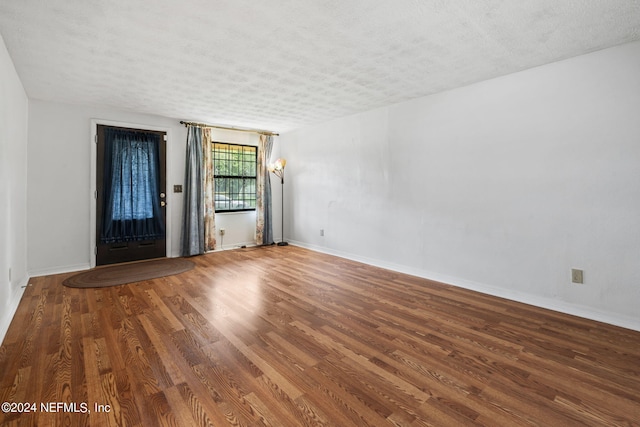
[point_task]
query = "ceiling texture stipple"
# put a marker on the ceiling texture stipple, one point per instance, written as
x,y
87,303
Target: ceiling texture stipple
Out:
x,y
283,64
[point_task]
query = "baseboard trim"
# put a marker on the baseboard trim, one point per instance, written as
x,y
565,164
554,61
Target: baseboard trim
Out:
x,y
235,246
546,303
59,270
12,307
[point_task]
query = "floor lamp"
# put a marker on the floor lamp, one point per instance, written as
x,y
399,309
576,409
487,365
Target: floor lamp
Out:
x,y
277,168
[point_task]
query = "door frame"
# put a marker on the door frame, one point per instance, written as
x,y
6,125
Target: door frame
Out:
x,y
92,183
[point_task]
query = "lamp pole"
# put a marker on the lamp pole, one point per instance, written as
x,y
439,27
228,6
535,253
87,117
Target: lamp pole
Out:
x,y
282,242
277,168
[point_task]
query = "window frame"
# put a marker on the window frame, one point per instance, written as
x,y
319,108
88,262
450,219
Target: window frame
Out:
x,y
217,176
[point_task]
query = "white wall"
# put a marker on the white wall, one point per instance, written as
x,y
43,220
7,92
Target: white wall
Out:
x,y
13,189
502,186
60,181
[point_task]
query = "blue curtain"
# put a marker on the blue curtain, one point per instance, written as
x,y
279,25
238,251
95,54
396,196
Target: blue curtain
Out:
x,y
193,207
131,180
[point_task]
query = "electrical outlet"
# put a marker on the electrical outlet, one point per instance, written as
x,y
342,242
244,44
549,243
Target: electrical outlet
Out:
x,y
222,231
577,276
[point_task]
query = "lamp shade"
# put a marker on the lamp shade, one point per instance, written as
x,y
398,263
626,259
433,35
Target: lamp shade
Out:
x,y
277,167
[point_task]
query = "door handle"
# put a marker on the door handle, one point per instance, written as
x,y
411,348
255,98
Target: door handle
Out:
x,y
162,195
162,203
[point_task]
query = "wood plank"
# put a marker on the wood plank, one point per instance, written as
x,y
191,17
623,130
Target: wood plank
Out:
x,y
283,336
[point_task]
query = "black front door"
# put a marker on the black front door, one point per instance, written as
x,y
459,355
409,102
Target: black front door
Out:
x,y
131,203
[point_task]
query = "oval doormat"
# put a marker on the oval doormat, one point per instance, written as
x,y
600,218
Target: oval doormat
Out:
x,y
128,273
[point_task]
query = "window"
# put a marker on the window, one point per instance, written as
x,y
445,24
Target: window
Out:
x,y
235,176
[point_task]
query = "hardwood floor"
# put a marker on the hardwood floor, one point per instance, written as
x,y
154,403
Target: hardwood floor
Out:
x,y
282,336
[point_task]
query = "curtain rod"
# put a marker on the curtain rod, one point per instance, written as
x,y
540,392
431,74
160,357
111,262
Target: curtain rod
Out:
x,y
204,125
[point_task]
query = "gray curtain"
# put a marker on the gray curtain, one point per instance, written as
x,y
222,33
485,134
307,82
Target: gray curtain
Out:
x,y
264,226
193,203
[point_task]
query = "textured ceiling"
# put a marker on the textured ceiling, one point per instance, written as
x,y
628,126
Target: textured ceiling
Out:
x,y
282,64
